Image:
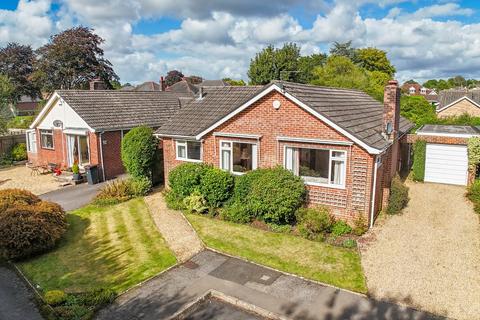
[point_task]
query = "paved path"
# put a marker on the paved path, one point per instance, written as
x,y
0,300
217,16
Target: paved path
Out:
x,y
178,233
284,295
428,257
16,300
73,197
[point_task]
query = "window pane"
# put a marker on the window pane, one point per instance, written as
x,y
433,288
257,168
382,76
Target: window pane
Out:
x,y
193,150
181,152
47,139
242,157
226,160
314,164
338,154
337,176
85,159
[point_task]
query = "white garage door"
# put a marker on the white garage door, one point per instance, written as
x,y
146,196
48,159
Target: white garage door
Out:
x,y
446,163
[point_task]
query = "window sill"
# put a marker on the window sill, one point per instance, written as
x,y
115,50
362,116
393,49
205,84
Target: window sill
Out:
x,y
45,148
325,185
188,160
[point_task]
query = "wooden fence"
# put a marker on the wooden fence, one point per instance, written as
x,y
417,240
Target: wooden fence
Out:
x,y
8,141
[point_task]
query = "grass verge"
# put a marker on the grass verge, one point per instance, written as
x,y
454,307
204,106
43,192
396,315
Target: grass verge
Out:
x,y
113,247
319,261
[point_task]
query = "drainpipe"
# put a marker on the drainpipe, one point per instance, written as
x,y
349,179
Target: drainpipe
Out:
x,y
372,210
101,155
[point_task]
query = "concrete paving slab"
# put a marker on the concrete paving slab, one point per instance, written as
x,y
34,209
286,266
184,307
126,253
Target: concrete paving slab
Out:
x,y
287,295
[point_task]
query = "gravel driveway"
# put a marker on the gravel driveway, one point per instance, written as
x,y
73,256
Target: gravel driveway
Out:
x,y
428,257
20,177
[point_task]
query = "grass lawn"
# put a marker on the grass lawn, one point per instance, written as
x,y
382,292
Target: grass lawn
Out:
x,y
314,260
113,247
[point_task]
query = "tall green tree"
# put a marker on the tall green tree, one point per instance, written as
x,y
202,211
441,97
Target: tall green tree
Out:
x,y
17,62
71,59
341,72
417,109
307,64
275,64
344,49
173,76
373,59
234,82
7,93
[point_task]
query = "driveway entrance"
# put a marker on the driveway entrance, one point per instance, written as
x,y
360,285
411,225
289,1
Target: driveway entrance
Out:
x,y
429,256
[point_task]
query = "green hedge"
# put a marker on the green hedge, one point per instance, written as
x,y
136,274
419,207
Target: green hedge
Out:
x,y
473,194
398,196
138,152
419,151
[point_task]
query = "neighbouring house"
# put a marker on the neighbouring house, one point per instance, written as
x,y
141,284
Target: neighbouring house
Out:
x,y
344,144
26,106
87,126
446,152
455,102
415,89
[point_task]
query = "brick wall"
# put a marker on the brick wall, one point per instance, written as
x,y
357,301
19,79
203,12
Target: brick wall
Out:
x,y
45,156
461,107
292,121
112,147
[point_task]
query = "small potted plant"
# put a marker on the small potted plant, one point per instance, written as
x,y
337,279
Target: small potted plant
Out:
x,y
76,172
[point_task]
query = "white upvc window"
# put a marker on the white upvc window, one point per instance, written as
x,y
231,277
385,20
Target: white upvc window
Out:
x,y
238,157
323,167
188,150
31,141
46,139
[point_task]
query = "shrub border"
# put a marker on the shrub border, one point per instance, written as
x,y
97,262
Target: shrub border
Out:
x,y
419,156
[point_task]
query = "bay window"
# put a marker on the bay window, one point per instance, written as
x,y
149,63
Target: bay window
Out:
x,y
238,157
189,150
31,141
46,139
317,166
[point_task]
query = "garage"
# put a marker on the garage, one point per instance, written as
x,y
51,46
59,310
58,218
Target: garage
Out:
x,y
446,163
446,155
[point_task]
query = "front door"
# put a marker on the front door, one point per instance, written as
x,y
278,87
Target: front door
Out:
x,y
78,150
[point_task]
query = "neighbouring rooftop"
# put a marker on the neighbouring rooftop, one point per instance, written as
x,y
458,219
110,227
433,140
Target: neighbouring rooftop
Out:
x,y
453,130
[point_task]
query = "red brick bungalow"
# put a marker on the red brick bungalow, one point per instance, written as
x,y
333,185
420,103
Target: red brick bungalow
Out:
x,y
87,127
344,144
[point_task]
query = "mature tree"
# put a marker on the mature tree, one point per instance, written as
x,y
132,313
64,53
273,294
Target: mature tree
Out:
x,y
376,84
411,81
344,49
234,82
341,72
275,64
307,64
417,109
16,62
73,58
373,59
195,79
173,77
116,85
431,84
7,91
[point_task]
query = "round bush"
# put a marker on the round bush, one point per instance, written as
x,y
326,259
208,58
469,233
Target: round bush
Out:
x,y
340,228
140,187
313,223
28,226
398,196
55,297
19,152
237,212
185,179
216,186
275,194
138,151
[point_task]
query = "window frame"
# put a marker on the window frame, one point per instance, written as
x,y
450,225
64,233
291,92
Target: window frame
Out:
x,y
43,132
31,143
330,161
184,143
230,149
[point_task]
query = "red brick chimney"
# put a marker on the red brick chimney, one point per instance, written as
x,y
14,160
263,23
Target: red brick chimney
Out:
x,y
97,84
391,110
162,84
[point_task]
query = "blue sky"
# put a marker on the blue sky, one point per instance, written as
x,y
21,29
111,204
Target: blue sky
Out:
x,y
217,38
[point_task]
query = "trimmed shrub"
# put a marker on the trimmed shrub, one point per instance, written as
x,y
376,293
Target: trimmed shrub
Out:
x,y
138,151
216,186
313,223
173,200
340,228
272,195
419,154
186,178
398,196
55,297
195,203
19,152
140,187
28,226
237,212
360,225
473,194
349,243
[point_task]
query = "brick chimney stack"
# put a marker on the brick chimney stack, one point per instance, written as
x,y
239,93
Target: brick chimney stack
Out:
x,y
162,84
97,84
391,110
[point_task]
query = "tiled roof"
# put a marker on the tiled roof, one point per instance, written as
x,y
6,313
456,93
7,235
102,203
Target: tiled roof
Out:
x,y
213,83
446,97
116,109
354,111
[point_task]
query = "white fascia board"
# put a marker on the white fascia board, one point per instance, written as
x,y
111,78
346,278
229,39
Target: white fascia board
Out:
x,y
451,135
174,136
45,110
457,101
274,87
317,141
237,135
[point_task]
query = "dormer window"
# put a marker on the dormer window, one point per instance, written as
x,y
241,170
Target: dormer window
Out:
x,y
411,90
423,90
